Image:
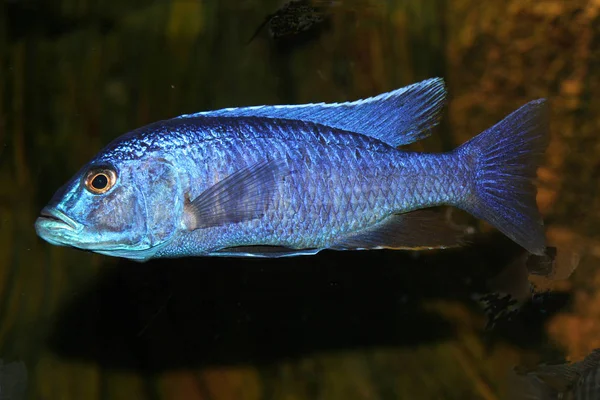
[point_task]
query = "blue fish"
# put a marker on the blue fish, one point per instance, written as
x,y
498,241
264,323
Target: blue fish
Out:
x,y
288,180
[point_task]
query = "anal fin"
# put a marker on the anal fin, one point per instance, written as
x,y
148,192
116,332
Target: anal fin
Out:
x,y
416,230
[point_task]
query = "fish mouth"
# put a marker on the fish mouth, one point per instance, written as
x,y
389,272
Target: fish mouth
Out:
x,y
53,225
56,228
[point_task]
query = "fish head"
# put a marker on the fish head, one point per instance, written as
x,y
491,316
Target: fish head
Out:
x,y
129,208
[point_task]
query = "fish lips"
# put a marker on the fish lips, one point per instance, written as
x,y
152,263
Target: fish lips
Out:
x,y
56,227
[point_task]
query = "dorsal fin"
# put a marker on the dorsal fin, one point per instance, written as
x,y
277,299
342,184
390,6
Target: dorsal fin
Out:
x,y
397,118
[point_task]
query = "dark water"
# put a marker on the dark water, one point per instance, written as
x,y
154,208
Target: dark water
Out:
x,y
75,74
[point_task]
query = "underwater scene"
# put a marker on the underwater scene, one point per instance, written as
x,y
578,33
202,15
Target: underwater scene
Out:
x,y
299,199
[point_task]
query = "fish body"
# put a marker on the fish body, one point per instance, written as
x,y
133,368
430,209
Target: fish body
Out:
x,y
274,181
328,184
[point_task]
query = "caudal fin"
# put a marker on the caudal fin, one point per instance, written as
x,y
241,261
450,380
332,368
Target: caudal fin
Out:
x,y
506,158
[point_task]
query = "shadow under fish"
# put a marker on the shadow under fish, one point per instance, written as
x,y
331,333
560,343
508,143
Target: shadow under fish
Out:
x,y
166,315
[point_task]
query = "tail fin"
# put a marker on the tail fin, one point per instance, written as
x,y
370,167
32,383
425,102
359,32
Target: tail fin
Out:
x,y
505,158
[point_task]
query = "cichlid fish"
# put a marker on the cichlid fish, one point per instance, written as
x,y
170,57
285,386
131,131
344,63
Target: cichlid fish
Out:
x,y
273,181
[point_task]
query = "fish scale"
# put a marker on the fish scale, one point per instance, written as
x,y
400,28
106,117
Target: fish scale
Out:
x,y
315,217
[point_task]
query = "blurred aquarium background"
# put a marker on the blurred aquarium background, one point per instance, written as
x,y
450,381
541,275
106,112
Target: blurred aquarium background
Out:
x,y
75,74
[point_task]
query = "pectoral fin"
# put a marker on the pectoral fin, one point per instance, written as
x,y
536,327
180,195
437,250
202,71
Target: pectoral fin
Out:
x,y
416,230
244,195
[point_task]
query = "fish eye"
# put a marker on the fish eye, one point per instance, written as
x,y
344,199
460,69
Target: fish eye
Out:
x,y
100,180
